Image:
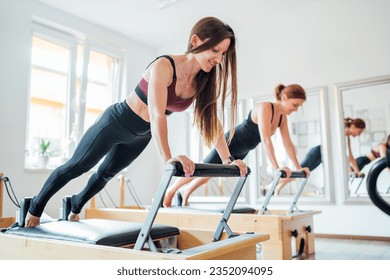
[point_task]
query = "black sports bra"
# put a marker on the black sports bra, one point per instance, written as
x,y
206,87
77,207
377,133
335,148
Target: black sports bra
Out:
x,y
272,118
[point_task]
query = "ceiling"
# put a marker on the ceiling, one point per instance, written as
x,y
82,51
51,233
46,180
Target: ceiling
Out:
x,y
162,28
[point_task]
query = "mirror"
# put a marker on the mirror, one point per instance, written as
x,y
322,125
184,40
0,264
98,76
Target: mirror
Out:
x,y
308,130
368,100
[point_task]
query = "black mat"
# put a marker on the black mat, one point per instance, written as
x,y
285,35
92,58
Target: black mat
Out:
x,y
94,231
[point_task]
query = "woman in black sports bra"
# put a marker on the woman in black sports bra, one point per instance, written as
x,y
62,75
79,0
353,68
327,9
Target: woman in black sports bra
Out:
x,y
169,84
262,122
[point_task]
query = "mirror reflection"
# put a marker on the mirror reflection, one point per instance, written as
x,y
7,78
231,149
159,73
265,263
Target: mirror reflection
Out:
x,y
370,103
301,126
307,134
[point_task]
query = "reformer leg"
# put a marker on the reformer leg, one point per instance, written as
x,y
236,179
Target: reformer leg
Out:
x,y
271,191
293,205
229,208
358,187
157,201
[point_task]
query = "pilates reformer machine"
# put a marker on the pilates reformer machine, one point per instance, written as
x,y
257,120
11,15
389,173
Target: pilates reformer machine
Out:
x,y
142,239
282,225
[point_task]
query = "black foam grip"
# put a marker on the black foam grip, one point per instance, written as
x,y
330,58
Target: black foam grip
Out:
x,y
294,174
207,170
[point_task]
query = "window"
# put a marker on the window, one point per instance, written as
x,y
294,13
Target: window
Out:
x,y
72,82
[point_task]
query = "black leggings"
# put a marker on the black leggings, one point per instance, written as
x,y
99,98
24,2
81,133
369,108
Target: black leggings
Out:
x,y
362,161
119,136
241,144
313,158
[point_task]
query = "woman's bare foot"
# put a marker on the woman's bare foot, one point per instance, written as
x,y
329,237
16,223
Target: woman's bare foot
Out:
x,y
31,221
73,217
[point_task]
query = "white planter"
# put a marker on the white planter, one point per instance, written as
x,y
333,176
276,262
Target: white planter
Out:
x,y
43,161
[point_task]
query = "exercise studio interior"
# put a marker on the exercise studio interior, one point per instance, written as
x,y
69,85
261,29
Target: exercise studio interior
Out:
x,y
162,130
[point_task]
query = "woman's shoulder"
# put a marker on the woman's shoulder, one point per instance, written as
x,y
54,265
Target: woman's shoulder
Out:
x,y
162,65
262,106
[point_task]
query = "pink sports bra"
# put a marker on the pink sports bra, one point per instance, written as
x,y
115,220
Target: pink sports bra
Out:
x,y
174,103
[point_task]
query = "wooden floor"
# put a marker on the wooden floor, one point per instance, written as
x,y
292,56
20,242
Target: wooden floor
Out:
x,y
345,249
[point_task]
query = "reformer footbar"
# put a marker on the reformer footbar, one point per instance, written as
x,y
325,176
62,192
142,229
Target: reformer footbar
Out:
x,y
282,174
201,170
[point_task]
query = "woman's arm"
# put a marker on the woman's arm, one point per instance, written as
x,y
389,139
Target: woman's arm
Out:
x,y
352,160
263,113
160,78
289,146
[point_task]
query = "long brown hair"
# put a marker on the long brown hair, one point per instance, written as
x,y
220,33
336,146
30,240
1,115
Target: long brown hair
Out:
x,y
291,91
210,86
358,123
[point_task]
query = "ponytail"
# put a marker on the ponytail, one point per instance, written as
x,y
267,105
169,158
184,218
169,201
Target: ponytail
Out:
x,y
347,122
278,91
358,123
291,91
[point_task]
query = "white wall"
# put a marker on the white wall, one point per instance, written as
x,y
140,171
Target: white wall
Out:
x,y
15,37
321,44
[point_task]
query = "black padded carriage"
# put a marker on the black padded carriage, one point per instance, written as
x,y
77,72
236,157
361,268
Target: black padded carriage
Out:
x,y
94,231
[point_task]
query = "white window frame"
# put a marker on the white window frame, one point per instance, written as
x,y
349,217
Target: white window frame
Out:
x,y
67,38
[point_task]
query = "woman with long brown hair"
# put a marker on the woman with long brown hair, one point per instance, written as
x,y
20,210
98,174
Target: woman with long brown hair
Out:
x,y
171,83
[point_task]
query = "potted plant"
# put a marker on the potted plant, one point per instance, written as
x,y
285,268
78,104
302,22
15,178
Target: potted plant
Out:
x,y
43,153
